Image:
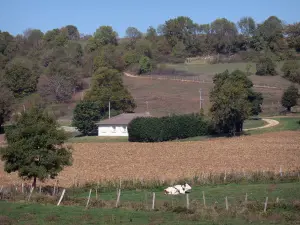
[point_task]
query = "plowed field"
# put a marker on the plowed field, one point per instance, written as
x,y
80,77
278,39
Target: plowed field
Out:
x,y
171,160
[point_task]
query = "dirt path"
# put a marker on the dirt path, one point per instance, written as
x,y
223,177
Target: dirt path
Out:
x,y
270,123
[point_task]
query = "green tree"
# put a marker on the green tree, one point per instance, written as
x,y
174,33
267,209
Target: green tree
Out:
x,y
51,34
291,70
36,147
233,101
269,35
145,65
292,31
265,66
20,77
107,85
247,26
86,114
151,34
290,97
223,35
33,36
133,33
109,56
180,29
105,35
59,83
6,103
72,32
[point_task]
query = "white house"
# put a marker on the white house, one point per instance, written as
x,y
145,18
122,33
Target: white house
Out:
x,y
117,126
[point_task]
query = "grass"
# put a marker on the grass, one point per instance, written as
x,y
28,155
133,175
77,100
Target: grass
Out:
x,y
31,214
96,139
252,123
169,209
219,67
285,123
214,194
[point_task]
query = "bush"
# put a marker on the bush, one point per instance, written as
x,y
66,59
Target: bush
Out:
x,y
167,128
265,66
291,70
145,65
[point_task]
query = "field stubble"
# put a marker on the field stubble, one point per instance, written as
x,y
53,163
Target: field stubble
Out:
x,y
176,160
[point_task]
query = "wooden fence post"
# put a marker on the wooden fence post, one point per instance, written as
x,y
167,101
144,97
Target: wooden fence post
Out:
x,y
246,198
153,201
31,190
187,201
118,198
266,204
226,202
40,189
22,187
204,203
61,197
88,200
277,200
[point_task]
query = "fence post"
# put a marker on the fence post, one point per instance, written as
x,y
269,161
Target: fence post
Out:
x,y
277,200
187,201
88,201
280,171
118,198
40,189
246,198
1,188
31,190
204,203
61,197
226,202
153,201
266,204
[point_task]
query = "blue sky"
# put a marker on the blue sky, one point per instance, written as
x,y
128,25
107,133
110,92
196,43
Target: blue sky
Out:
x,y
88,15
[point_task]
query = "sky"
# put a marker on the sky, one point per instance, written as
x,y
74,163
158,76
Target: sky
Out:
x,y
18,15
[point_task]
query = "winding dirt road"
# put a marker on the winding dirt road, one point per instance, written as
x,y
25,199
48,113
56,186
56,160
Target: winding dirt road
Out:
x,y
270,123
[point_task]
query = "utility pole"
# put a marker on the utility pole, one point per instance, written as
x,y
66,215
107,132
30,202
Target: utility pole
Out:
x,y
200,100
109,109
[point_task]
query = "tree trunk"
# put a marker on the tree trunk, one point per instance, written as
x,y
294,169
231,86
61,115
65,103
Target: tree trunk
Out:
x,y
289,109
34,182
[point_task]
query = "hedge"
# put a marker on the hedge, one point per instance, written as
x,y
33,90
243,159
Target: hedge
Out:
x,y
151,129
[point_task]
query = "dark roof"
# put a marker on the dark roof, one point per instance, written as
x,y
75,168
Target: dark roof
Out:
x,y
122,119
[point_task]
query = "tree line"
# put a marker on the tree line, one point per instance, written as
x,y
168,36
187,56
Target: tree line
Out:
x,y
50,67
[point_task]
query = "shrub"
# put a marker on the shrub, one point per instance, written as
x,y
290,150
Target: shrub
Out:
x,y
167,128
145,65
291,70
265,66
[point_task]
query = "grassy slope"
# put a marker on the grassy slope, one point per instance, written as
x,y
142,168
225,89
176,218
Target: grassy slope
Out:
x,y
285,123
215,194
33,214
17,213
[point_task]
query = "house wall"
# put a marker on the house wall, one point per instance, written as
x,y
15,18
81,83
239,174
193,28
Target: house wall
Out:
x,y
113,130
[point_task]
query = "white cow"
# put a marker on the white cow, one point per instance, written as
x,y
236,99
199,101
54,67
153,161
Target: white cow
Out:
x,y
178,189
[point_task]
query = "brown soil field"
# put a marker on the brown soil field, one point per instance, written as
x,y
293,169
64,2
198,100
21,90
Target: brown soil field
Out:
x,y
171,96
174,160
